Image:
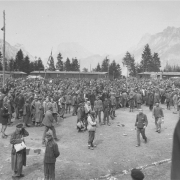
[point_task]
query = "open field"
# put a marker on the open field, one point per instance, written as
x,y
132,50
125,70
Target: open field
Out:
x,y
113,154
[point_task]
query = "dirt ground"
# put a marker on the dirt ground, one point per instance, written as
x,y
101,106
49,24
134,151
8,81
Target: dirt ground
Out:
x,y
114,153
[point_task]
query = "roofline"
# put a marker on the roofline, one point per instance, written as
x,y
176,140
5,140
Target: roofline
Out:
x,y
66,72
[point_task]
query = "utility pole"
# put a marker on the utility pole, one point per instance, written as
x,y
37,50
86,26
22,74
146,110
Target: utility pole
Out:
x,y
4,49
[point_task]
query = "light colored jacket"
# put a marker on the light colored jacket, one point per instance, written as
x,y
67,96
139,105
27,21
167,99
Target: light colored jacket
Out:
x,y
91,123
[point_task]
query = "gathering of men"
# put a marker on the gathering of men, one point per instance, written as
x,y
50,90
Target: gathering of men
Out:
x,y
93,102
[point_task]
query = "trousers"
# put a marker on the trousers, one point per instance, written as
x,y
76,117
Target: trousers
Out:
x,y
142,132
91,138
158,124
106,115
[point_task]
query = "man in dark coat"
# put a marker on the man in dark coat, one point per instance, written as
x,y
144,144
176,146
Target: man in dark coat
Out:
x,y
51,153
48,124
150,100
140,125
18,159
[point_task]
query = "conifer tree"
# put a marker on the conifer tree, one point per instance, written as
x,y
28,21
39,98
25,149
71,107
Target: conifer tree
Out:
x,y
59,64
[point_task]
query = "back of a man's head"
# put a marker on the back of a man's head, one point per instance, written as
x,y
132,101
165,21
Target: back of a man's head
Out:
x,y
136,174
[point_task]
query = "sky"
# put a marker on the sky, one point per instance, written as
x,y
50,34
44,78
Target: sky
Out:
x,y
102,27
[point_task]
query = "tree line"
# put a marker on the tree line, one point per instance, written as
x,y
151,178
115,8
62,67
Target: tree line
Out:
x,y
22,63
148,63
113,69
68,65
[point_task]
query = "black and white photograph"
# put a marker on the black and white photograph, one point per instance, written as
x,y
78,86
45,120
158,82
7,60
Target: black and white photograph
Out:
x,y
90,90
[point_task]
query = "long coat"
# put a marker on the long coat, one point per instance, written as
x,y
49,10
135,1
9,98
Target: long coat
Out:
x,y
18,157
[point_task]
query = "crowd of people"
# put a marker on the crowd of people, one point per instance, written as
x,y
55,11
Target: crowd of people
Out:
x,y
40,102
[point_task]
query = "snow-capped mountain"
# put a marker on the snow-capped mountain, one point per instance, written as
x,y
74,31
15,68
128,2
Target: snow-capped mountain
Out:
x,y
165,43
11,51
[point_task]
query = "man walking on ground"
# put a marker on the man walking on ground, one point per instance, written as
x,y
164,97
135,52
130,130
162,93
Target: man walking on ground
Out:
x,y
140,125
48,124
158,115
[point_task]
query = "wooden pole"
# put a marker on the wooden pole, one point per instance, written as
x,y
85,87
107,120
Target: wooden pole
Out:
x,y
4,49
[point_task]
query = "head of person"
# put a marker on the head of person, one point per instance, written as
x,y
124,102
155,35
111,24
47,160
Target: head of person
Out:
x,y
52,100
49,136
92,113
157,104
136,174
47,99
19,127
140,111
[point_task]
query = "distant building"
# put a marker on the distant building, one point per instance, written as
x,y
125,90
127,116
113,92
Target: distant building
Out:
x,y
13,74
69,74
161,75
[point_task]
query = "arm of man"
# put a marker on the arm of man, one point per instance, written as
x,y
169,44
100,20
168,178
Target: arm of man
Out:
x,y
146,121
14,140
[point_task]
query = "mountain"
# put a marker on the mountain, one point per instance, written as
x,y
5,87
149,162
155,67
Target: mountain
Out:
x,y
11,51
71,50
165,43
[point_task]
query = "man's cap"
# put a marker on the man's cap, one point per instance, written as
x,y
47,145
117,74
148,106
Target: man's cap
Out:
x,y
20,125
136,174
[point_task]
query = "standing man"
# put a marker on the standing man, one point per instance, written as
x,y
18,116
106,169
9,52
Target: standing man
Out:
x,y
140,125
106,108
18,159
51,153
158,115
48,124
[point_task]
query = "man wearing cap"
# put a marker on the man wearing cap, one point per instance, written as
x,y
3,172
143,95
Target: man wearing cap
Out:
x,y
136,174
158,115
140,125
91,129
98,107
51,153
48,123
18,159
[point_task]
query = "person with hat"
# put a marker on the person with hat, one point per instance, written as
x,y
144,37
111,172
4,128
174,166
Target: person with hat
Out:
x,y
26,114
131,101
113,104
140,126
158,115
106,109
18,159
51,153
136,174
4,119
48,123
98,107
91,129
81,118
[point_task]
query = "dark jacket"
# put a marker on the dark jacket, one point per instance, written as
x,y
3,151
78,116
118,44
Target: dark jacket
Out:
x,y
48,119
141,120
51,152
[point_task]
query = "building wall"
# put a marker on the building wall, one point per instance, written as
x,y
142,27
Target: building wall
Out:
x,y
68,75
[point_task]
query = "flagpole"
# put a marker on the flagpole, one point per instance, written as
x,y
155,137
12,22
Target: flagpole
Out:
x,y
4,49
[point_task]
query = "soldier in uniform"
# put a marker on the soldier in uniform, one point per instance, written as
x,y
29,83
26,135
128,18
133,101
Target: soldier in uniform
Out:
x,y
106,108
140,125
